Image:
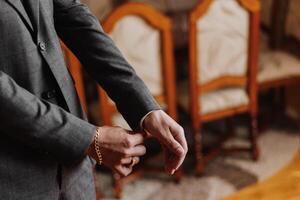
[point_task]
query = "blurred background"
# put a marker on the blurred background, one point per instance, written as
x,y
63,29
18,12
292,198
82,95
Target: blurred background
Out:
x,y
229,72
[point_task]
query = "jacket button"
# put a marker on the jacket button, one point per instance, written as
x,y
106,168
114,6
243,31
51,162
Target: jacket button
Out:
x,y
42,46
49,94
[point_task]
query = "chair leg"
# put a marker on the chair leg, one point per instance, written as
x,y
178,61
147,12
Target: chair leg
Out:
x,y
117,185
198,151
253,138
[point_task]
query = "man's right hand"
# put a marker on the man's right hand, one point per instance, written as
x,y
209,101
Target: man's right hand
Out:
x,y
120,149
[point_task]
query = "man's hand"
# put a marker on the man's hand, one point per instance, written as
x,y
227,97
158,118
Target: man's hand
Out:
x,y
170,135
120,149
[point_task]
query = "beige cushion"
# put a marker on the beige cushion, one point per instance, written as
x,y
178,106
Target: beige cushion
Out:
x,y
140,44
274,65
222,40
214,101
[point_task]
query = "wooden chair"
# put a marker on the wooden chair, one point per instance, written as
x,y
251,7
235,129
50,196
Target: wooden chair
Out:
x,y
277,67
75,68
145,39
223,56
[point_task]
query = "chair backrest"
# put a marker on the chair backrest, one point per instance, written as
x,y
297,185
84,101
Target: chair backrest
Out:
x,y
223,45
144,36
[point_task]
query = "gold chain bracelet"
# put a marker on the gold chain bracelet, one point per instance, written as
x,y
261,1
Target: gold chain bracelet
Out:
x,y
97,146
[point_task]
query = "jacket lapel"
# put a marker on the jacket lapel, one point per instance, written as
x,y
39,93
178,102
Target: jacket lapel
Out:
x,y
17,5
33,9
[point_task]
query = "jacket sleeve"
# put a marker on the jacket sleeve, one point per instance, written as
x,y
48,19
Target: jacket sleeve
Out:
x,y
82,33
40,125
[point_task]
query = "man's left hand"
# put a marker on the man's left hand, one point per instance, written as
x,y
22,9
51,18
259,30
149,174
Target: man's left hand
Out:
x,y
171,136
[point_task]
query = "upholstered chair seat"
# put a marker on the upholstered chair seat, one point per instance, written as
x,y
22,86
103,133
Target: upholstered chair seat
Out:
x,y
214,101
276,65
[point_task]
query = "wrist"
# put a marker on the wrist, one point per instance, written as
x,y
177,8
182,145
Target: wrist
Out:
x,y
143,119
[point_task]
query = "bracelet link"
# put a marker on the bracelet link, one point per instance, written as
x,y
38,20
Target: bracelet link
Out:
x,y
97,146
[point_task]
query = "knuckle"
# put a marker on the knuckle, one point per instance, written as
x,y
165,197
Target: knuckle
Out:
x,y
180,152
127,142
181,130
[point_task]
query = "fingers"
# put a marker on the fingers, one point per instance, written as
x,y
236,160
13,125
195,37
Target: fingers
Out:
x,y
139,150
126,161
173,145
135,160
178,134
130,153
131,161
174,153
175,160
170,134
135,139
176,147
125,168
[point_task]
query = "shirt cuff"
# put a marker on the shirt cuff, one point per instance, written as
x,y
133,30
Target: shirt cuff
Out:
x,y
142,120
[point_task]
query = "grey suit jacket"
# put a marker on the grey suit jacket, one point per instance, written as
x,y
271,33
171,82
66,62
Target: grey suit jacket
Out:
x,y
43,132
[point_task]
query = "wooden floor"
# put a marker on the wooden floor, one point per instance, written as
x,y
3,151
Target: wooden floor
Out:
x,y
285,185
